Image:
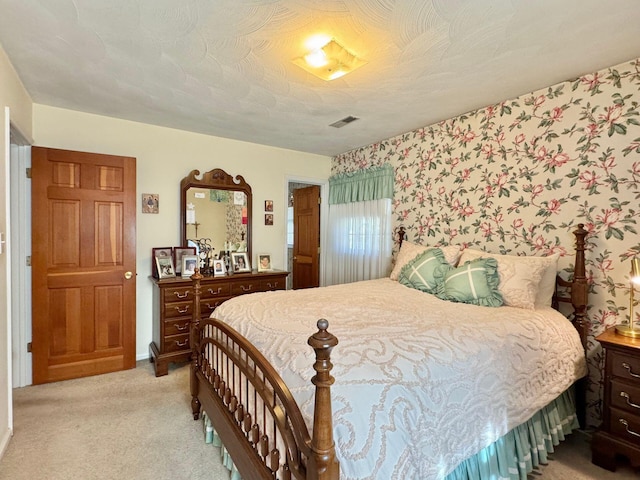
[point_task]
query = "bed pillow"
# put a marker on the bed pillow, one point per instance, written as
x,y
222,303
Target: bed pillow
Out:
x,y
475,282
547,286
419,273
410,250
520,276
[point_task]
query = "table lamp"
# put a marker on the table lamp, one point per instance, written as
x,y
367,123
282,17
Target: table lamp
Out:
x,y
631,330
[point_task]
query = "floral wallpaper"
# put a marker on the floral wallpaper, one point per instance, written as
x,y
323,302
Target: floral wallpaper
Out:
x,y
518,176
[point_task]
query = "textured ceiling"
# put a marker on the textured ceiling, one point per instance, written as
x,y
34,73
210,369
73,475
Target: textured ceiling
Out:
x,y
223,67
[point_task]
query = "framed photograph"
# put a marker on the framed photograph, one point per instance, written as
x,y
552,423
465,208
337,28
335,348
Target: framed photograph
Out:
x,y
162,252
240,262
268,205
219,270
178,253
150,203
264,262
189,264
165,267
268,218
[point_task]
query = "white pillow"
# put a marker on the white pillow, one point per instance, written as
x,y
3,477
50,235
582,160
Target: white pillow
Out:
x,y
547,286
410,250
520,277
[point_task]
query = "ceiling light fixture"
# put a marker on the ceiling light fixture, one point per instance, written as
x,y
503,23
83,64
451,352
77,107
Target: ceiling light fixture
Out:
x,y
329,61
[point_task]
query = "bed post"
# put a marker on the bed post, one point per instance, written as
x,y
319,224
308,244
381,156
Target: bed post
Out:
x,y
322,462
579,286
579,292
194,339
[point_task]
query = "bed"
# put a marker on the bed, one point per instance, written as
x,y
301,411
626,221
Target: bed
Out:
x,y
414,396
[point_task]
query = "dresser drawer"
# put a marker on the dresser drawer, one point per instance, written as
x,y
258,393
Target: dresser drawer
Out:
x,y
209,305
178,309
625,425
175,343
273,284
176,326
626,366
178,294
245,286
216,290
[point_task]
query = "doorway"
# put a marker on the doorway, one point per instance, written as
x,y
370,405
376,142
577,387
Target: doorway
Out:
x,y
313,276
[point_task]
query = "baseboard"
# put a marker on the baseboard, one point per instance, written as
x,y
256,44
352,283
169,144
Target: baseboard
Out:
x,y
4,442
142,356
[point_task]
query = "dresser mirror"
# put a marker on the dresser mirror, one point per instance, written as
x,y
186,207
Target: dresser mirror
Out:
x,y
215,209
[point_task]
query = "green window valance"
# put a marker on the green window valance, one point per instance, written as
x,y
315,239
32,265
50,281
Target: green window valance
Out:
x,y
370,184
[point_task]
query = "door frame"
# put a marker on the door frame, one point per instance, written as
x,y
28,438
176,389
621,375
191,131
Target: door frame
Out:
x,y
324,211
20,272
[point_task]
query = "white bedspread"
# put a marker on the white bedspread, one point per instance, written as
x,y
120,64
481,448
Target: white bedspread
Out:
x,y
421,384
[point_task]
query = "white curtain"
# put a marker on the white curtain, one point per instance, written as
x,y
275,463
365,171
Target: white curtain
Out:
x,y
360,241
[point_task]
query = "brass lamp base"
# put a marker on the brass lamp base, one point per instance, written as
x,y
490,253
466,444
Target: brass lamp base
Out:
x,y
628,331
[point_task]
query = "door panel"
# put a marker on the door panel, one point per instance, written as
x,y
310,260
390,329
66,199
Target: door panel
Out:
x,y
306,237
83,236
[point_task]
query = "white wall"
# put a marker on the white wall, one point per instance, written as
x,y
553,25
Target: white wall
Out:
x,y
164,157
14,96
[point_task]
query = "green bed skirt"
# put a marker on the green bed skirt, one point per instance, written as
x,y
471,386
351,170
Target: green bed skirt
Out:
x,y
511,457
517,453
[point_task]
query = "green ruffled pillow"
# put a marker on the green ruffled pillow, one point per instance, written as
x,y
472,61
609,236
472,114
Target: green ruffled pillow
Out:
x,y
419,273
474,282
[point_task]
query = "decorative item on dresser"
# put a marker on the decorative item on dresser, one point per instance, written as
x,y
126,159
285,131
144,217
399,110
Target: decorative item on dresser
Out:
x,y
619,434
173,308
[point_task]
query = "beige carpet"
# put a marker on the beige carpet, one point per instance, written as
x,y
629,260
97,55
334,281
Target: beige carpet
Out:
x,y
132,425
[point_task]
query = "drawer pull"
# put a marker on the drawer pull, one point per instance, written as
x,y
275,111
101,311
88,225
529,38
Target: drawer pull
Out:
x,y
212,307
625,395
181,295
626,426
628,367
180,310
275,285
181,328
216,292
246,289
182,344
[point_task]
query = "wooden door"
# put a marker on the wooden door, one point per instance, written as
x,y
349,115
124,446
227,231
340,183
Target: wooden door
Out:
x,y
83,263
306,237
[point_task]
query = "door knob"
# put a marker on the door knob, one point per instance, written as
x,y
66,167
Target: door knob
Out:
x,y
128,275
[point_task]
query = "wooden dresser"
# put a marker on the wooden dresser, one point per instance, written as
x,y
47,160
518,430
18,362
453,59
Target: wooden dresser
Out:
x,y
173,309
619,434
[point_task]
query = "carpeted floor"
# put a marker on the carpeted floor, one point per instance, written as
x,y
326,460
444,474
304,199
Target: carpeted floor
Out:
x,y
133,425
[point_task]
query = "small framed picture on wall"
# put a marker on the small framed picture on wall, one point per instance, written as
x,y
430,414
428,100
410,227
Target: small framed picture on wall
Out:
x,y
150,203
268,218
268,205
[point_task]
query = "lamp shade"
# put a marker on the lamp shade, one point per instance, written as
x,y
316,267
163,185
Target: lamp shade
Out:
x,y
635,270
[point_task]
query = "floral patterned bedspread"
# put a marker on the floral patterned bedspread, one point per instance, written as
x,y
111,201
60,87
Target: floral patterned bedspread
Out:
x,y
421,383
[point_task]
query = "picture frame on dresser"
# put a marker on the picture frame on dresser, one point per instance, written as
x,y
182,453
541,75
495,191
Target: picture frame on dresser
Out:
x,y
264,262
240,262
219,269
164,266
178,253
161,252
189,265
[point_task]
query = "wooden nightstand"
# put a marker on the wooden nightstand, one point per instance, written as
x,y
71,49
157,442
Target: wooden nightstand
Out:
x,y
619,434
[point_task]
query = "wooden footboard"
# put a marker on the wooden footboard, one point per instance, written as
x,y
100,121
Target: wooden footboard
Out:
x,y
252,409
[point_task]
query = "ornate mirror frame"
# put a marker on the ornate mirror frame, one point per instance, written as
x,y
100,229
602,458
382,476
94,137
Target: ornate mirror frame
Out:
x,y
216,179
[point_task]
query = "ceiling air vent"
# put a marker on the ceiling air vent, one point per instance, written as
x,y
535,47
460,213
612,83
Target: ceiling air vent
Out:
x,y
344,121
